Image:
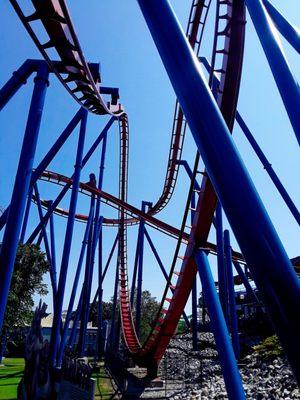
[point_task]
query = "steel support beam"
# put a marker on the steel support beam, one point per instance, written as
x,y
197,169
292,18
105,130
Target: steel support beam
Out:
x,y
21,186
231,296
162,268
75,284
67,187
265,162
228,362
46,243
222,278
49,157
18,79
53,252
100,297
86,286
139,289
290,32
258,240
67,243
26,215
268,167
287,85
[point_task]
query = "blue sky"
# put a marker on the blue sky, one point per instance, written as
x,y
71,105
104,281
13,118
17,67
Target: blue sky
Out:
x,y
114,33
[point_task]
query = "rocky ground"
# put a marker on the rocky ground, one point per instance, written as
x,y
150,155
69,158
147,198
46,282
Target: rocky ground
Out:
x,y
197,375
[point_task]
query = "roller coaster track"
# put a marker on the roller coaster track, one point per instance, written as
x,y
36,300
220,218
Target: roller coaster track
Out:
x,y
230,13
55,17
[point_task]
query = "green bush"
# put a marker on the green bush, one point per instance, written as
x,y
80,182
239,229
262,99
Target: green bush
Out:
x,y
269,348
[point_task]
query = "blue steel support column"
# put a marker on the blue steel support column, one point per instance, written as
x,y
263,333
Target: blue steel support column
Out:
x,y
21,186
49,156
287,30
231,296
223,293
135,268
97,238
100,296
73,335
268,167
188,170
287,85
75,284
26,215
162,268
230,370
112,334
67,243
194,289
84,321
67,187
139,288
245,281
270,266
46,243
52,241
17,80
85,305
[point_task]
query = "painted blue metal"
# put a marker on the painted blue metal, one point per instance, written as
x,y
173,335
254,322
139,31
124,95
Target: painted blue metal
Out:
x,y
67,243
75,284
26,215
21,186
161,266
270,266
231,296
86,294
49,157
67,187
222,278
245,281
287,85
135,268
194,317
107,264
53,252
290,32
139,287
110,256
229,366
84,320
194,288
189,171
100,344
268,167
73,335
91,261
18,79
46,242
113,327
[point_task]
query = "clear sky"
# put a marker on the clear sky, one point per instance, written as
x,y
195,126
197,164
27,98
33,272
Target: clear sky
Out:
x,y
115,34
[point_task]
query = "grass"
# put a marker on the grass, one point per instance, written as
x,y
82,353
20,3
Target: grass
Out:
x,y
104,388
12,372
10,376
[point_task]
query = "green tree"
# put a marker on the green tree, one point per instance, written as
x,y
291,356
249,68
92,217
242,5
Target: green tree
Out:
x,y
149,310
27,280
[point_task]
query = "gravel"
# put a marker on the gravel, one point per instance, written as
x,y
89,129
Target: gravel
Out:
x,y
200,377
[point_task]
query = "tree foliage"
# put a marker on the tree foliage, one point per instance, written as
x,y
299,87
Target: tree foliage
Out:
x,y
27,280
149,309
